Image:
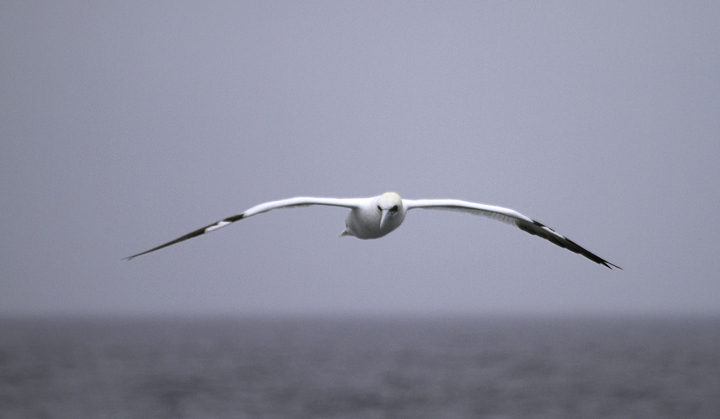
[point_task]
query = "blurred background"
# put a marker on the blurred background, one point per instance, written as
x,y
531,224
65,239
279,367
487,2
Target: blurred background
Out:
x,y
125,125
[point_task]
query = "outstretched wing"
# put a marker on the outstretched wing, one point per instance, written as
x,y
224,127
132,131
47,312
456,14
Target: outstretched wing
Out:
x,y
259,209
508,216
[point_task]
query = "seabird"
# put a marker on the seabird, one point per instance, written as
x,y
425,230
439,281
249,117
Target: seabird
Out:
x,y
372,218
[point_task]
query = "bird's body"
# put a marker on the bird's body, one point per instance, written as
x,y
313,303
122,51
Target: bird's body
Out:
x,y
375,217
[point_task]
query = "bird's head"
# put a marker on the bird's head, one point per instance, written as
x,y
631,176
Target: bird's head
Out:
x,y
389,205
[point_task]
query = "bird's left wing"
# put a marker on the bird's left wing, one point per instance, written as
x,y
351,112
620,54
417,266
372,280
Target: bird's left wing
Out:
x,y
507,216
259,209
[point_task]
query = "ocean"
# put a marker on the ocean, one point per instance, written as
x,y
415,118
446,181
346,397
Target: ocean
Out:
x,y
315,367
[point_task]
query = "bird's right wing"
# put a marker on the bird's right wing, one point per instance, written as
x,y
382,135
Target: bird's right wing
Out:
x,y
507,216
259,209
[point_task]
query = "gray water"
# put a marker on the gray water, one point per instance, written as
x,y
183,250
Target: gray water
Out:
x,y
360,368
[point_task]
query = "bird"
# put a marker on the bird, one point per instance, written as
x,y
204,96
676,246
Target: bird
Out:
x,y
375,217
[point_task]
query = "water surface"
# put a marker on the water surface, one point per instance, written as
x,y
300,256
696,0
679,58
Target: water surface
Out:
x,y
360,368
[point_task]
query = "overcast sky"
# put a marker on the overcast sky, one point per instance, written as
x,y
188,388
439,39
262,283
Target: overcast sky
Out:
x,y
127,124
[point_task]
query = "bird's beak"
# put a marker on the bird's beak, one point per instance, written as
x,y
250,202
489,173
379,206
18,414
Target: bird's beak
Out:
x,y
383,217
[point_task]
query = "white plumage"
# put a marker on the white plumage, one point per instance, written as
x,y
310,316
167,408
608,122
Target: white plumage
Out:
x,y
372,218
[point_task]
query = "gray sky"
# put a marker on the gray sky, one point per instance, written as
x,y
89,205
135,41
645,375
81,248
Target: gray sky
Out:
x,y
126,124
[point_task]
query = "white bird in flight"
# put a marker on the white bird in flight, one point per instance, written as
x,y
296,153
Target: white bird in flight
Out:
x,y
372,218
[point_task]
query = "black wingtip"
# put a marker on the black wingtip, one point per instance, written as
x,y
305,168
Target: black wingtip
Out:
x,y
139,254
562,241
198,232
611,265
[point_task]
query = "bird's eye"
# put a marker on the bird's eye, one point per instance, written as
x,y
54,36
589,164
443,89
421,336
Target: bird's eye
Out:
x,y
393,209
379,209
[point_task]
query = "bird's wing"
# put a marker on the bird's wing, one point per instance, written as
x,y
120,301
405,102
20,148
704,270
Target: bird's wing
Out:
x,y
259,209
508,216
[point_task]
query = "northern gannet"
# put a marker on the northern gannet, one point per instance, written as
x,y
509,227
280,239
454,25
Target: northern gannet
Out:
x,y
372,218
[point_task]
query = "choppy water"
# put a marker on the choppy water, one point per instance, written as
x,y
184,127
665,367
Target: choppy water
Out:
x,y
352,368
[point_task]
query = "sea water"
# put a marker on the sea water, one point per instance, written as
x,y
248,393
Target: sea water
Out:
x,y
501,367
